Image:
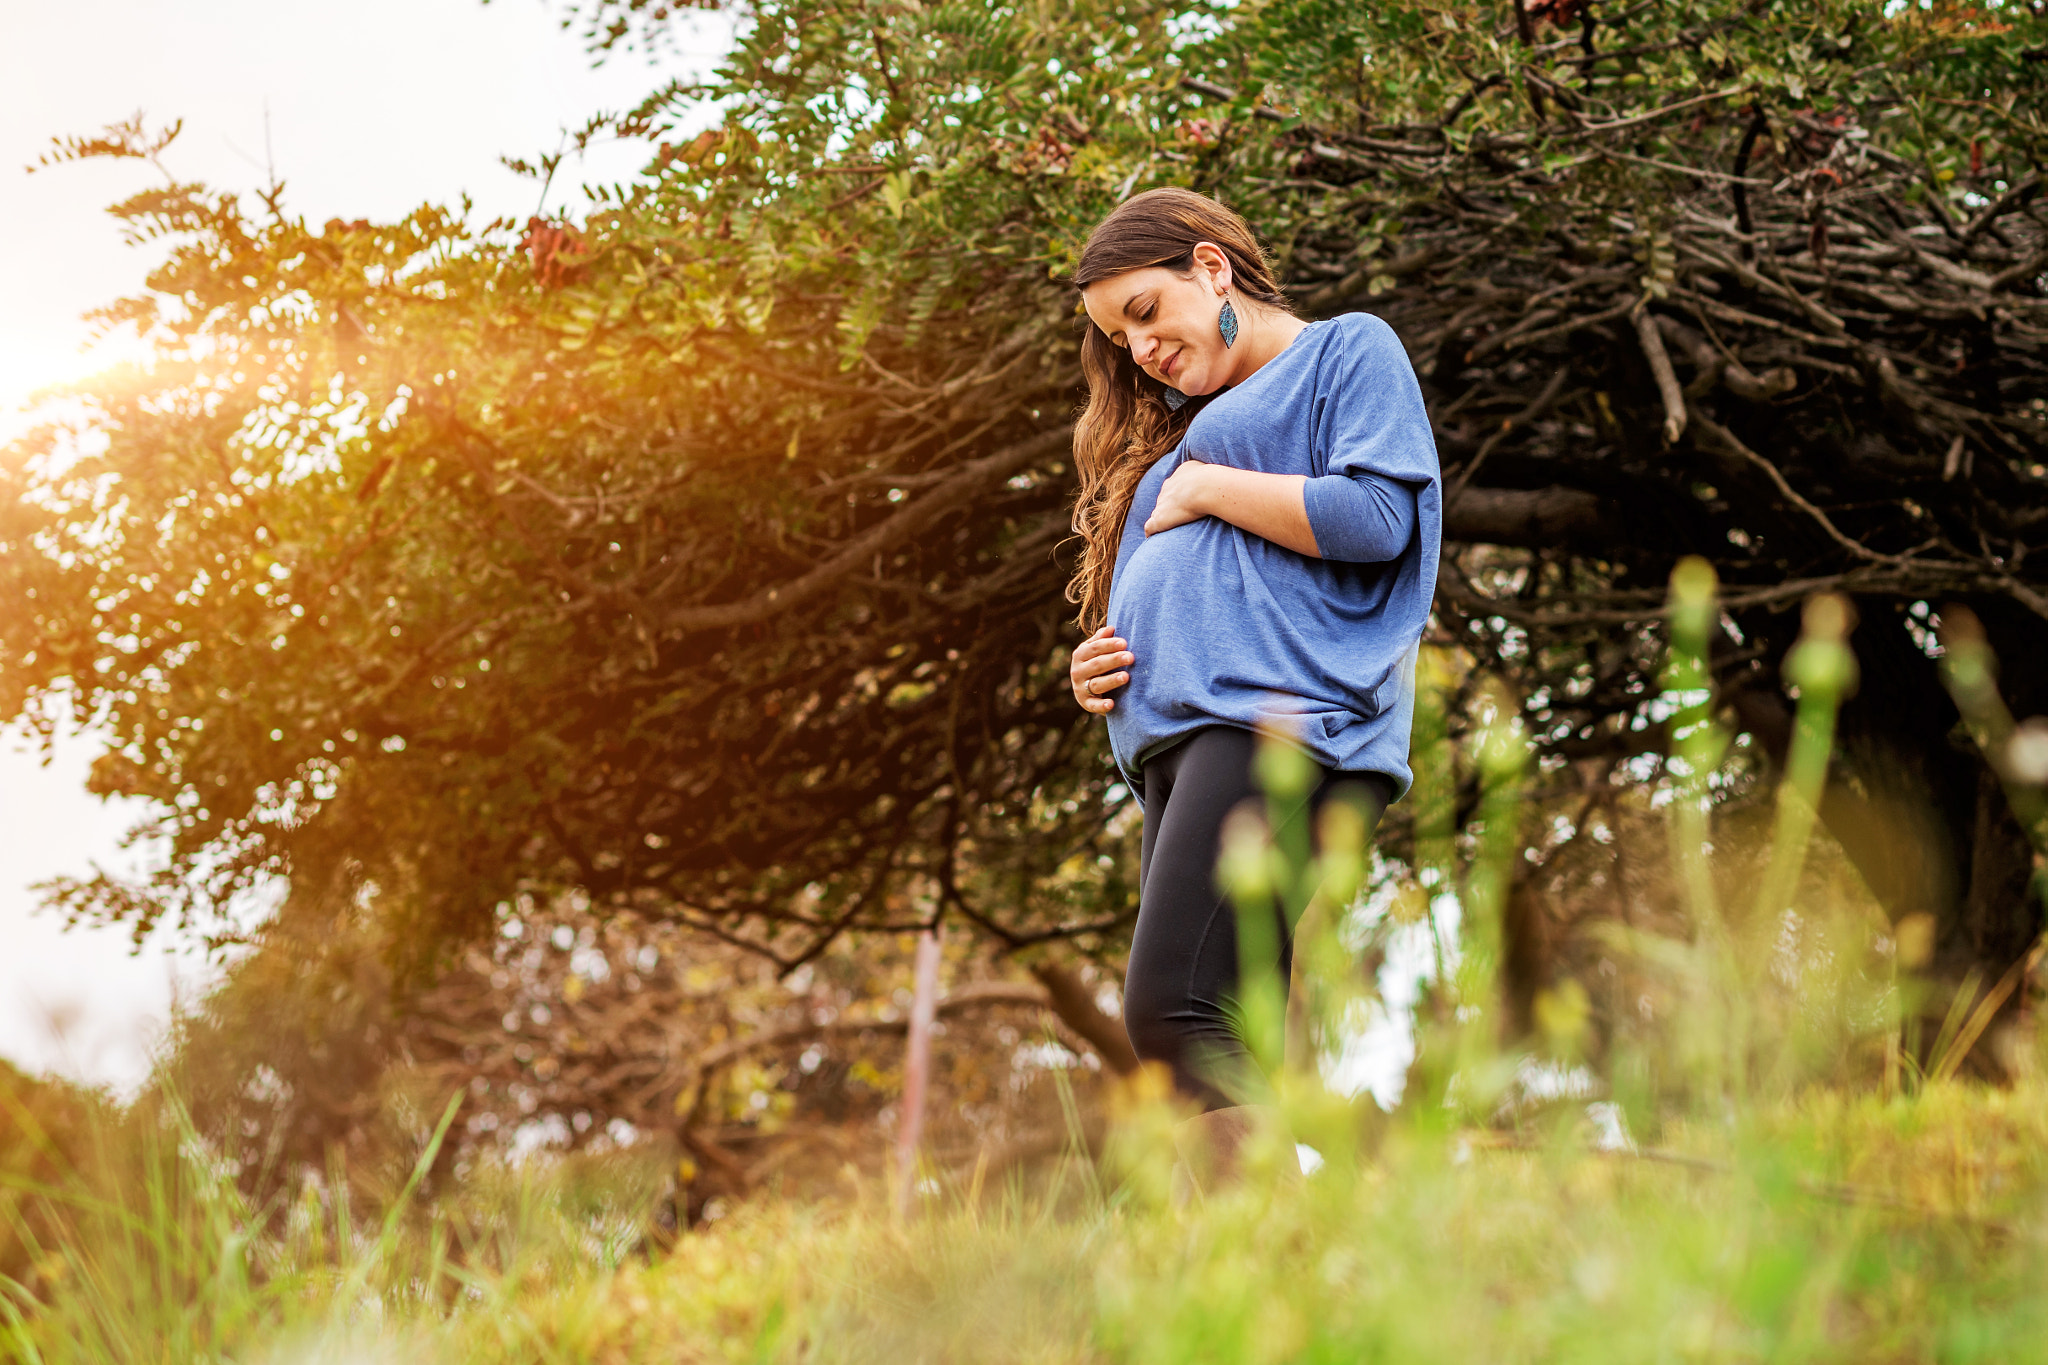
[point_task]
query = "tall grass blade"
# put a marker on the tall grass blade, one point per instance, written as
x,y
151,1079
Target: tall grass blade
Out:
x,y
1823,667
1951,1057
1695,741
1970,672
1952,1024
1699,746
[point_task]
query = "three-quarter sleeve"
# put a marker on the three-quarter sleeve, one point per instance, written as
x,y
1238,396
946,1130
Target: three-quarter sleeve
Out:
x,y
1373,477
1360,516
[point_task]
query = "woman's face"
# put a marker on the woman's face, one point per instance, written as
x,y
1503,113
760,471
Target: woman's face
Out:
x,y
1167,321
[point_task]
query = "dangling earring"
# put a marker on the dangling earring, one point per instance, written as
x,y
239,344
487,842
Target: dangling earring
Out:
x,y
1174,398
1226,323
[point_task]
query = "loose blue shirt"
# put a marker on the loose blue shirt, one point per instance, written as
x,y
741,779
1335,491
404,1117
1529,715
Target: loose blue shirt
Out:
x,y
1229,628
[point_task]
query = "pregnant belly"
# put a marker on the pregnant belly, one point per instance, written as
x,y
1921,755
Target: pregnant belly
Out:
x,y
1178,602
1225,627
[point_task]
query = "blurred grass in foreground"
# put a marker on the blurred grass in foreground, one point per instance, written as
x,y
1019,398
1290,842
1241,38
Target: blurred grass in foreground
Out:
x,y
1836,1229
1747,1205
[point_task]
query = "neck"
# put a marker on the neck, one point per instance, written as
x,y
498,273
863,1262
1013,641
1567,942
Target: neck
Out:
x,y
1263,334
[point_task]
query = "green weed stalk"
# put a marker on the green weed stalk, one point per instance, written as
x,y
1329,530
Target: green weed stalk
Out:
x,y
1823,668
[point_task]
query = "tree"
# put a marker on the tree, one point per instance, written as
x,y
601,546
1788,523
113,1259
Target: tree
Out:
x,y
588,1033
703,557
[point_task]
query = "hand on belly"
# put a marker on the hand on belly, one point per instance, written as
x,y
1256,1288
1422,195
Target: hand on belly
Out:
x,y
1099,666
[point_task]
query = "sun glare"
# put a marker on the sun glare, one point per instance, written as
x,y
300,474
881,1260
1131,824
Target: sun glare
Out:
x,y
34,374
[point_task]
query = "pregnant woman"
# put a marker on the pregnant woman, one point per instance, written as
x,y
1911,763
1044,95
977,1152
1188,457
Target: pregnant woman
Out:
x,y
1260,514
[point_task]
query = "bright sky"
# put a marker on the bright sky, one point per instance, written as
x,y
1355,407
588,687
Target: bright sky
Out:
x,y
367,110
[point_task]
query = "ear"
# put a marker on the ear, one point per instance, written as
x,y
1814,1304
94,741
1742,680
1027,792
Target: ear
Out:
x,y
1209,259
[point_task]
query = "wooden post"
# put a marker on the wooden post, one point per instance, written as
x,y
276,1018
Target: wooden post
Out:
x,y
917,1066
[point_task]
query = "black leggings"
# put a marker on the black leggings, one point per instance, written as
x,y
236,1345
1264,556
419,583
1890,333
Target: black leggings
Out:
x,y
1179,991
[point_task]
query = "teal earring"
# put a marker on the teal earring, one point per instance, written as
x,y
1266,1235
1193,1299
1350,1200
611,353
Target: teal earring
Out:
x,y
1226,323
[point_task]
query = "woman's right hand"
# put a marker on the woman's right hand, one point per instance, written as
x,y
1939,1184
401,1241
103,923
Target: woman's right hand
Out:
x,y
1097,668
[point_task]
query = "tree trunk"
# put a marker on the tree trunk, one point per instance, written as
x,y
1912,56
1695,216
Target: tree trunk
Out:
x,y
1070,998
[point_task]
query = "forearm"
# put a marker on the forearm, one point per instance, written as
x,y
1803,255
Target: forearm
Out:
x,y
1270,506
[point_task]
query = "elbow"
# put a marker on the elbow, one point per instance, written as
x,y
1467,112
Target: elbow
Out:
x,y
1357,521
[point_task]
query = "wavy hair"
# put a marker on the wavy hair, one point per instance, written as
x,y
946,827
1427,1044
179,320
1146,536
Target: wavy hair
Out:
x,y
1126,425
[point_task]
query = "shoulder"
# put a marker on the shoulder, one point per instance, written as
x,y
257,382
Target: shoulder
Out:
x,y
1365,339
1366,362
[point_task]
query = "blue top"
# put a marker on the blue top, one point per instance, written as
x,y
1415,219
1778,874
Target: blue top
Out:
x,y
1230,628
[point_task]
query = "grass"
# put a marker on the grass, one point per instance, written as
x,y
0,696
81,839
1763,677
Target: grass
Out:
x,y
1438,1250
1836,1227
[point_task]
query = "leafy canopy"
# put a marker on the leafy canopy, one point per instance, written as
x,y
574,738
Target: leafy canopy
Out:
x,y
704,555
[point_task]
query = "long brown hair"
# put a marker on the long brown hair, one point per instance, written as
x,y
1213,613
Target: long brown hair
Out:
x,y
1126,425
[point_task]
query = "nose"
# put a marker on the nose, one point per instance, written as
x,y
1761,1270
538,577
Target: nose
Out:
x,y
1144,350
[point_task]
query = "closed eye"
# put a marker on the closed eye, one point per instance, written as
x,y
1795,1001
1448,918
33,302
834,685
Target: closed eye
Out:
x,y
1150,309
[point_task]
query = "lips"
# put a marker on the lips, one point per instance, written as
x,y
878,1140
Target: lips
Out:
x,y
1166,365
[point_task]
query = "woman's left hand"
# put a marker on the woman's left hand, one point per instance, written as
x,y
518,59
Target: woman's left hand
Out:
x,y
1182,498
